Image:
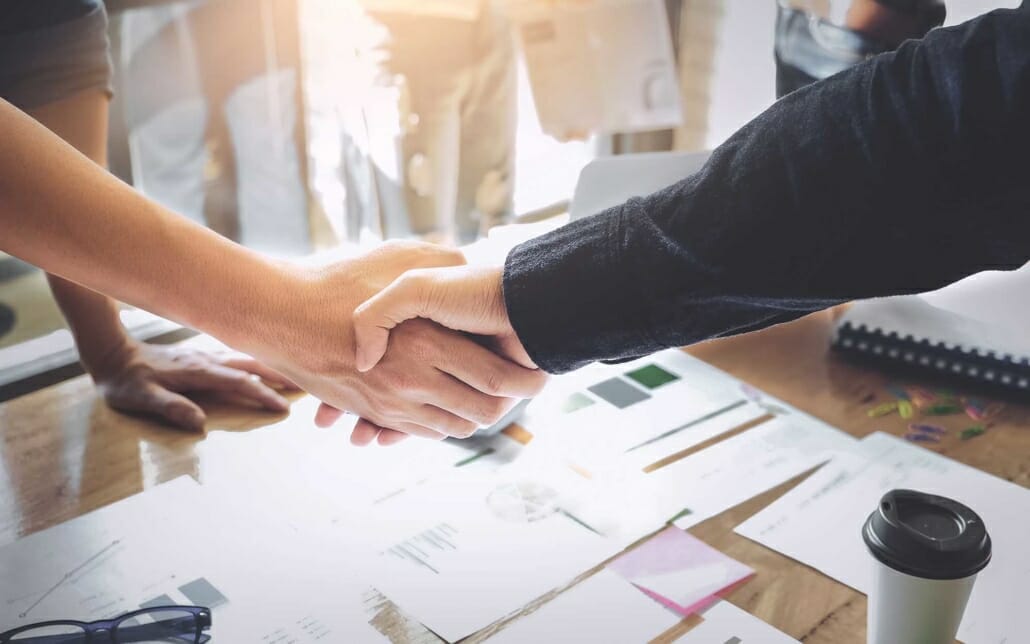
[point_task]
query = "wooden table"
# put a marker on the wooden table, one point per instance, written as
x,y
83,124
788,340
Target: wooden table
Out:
x,y
63,453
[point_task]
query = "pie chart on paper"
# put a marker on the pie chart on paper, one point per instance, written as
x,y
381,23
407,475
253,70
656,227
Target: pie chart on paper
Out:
x,y
523,502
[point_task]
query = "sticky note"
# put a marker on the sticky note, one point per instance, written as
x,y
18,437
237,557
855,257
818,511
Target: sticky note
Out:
x,y
680,571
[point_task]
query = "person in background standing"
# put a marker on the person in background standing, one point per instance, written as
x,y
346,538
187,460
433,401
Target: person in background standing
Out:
x,y
209,91
439,120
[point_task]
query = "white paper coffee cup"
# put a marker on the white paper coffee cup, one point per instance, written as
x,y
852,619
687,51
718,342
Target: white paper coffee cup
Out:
x,y
927,551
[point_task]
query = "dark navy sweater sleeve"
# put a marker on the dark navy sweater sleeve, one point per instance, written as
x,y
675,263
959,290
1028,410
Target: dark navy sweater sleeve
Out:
x,y
900,175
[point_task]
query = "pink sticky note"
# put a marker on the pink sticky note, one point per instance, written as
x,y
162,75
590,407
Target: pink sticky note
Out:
x,y
680,571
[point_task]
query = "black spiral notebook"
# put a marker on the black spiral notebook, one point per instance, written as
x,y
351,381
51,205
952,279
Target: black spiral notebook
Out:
x,y
981,339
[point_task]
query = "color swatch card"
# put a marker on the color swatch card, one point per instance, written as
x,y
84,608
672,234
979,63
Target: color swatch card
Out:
x,y
599,414
680,571
724,623
602,609
819,523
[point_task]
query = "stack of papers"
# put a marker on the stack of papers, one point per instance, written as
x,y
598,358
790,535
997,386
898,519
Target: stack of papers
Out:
x,y
819,523
458,534
576,494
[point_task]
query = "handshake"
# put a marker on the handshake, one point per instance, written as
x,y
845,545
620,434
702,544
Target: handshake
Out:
x,y
407,338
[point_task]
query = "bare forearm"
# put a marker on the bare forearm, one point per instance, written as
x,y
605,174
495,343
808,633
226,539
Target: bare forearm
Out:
x,y
92,318
60,211
81,121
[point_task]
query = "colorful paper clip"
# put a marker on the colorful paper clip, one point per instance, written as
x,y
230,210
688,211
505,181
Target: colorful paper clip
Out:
x,y
883,409
928,429
973,432
975,408
919,437
905,409
945,409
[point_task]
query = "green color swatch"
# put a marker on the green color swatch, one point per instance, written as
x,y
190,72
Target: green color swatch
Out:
x,y
652,376
942,409
685,512
575,402
475,457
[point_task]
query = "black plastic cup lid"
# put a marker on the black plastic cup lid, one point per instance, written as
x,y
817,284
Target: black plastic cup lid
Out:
x,y
927,536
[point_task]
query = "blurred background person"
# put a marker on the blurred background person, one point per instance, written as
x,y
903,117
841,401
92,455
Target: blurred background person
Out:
x,y
434,151
210,96
818,38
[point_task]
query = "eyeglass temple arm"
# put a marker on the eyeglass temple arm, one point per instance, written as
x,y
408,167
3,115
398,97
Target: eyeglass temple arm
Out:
x,y
68,638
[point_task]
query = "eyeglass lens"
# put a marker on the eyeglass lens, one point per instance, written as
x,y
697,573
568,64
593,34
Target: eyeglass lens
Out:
x,y
158,627
61,634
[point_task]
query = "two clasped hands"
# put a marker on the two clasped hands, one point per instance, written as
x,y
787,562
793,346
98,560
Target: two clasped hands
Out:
x,y
432,353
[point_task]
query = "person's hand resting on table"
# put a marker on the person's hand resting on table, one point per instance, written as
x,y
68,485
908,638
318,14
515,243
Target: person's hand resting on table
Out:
x,y
159,380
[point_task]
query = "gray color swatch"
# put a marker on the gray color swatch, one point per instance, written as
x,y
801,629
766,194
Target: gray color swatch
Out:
x,y
618,392
202,593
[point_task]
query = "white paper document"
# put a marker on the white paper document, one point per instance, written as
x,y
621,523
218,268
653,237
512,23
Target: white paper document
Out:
x,y
819,523
724,623
172,545
726,474
599,66
603,609
704,430
471,547
996,299
303,465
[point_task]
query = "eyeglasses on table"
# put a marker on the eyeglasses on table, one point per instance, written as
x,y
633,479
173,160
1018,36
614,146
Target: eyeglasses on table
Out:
x,y
157,625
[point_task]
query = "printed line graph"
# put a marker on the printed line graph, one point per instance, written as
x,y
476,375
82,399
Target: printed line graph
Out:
x,y
68,576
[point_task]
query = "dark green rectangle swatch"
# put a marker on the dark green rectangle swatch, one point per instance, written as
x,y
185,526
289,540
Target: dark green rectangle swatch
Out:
x,y
652,376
